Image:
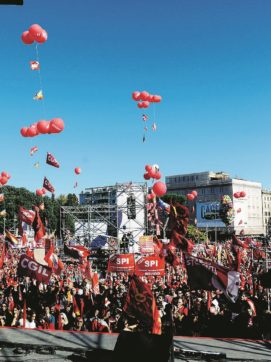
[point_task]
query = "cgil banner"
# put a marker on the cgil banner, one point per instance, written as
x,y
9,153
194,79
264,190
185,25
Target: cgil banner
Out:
x,y
29,267
150,265
121,263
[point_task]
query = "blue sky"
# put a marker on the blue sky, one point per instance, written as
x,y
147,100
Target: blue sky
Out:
x,y
210,61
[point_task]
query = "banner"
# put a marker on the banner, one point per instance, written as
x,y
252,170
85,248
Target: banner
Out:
x,y
29,267
121,263
140,303
146,244
26,216
150,265
205,274
208,214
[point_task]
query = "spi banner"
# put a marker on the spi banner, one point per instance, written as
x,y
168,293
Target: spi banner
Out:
x,y
146,244
150,265
121,263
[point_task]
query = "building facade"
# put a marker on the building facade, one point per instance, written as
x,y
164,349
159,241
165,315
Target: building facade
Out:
x,y
211,186
266,201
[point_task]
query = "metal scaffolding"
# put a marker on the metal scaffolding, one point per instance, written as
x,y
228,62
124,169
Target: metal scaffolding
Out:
x,y
111,212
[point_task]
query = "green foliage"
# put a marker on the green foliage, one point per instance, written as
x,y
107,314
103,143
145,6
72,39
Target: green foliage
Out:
x,y
16,197
195,234
174,198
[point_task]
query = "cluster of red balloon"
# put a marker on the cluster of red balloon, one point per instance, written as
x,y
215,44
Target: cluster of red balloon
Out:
x,y
192,196
144,99
239,195
40,192
34,33
56,125
4,178
152,172
159,188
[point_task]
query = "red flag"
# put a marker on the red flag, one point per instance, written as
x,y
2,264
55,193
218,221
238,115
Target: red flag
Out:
x,y
26,216
95,283
140,304
48,256
47,185
3,255
50,160
53,261
205,274
34,65
244,244
29,253
82,306
38,226
24,239
88,271
76,309
31,268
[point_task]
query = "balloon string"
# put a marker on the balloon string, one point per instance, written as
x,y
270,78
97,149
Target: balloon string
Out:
x,y
40,81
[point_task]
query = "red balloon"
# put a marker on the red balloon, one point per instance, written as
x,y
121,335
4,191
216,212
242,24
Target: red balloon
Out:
x,y
242,194
150,98
43,191
136,96
152,173
146,176
24,131
190,197
27,38
4,174
42,37
156,99
35,31
56,125
32,130
148,168
3,180
77,170
150,196
159,188
144,95
43,126
145,104
39,192
140,104
158,175
194,192
236,195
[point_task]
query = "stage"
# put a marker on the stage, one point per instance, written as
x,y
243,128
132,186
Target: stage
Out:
x,y
69,345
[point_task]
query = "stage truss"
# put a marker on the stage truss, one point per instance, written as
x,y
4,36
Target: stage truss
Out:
x,y
117,211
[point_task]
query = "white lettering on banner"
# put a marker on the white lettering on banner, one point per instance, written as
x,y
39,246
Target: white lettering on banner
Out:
x,y
24,263
121,261
192,262
44,272
32,266
151,263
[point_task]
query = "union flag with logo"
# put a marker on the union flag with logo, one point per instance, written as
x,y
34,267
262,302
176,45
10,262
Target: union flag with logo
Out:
x,y
140,304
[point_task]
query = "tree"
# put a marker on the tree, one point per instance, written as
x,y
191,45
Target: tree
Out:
x,y
195,234
168,198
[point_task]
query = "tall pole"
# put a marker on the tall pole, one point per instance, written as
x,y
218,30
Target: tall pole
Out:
x,y
267,266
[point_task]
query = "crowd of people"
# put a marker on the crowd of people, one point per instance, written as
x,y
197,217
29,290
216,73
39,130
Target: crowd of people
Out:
x,y
70,302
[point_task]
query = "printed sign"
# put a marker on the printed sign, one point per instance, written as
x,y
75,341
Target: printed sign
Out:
x,y
150,265
121,263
